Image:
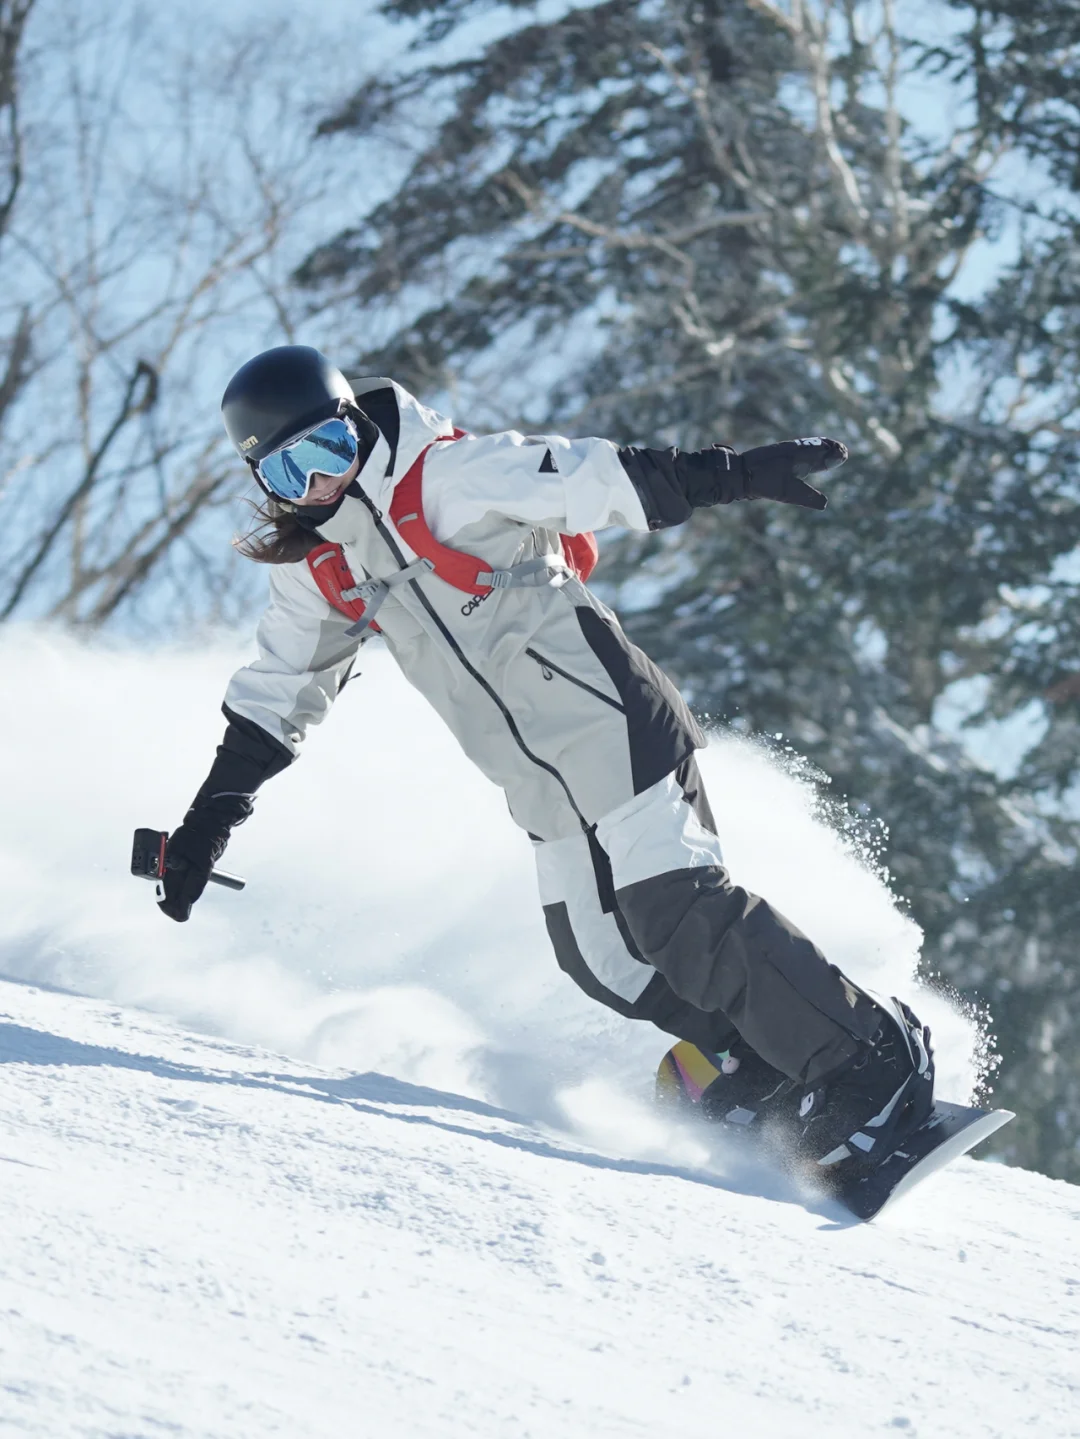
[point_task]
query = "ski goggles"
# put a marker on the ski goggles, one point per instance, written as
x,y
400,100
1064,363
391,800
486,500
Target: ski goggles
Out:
x,y
329,448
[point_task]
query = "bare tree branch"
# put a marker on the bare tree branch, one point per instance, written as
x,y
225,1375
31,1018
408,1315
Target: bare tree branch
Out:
x,y
18,360
668,242
140,396
174,247
13,17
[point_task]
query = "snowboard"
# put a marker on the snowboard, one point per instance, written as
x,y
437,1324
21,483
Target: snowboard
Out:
x,y
686,1074
950,1131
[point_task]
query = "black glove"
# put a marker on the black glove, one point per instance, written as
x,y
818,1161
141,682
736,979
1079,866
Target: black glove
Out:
x,y
671,484
195,848
778,472
246,757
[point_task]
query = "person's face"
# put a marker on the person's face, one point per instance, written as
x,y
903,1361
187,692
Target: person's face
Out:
x,y
325,489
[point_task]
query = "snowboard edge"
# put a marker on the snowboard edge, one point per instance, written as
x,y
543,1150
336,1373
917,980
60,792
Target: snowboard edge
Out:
x,y
870,1196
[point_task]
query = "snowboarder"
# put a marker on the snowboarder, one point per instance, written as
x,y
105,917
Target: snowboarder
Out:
x,y
466,552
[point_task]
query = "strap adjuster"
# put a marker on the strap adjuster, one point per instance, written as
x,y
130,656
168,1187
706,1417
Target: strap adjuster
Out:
x,y
366,592
496,579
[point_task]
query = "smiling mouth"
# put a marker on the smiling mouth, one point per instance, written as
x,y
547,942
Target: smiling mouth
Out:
x,y
329,497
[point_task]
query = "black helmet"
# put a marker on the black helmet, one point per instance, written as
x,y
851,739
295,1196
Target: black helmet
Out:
x,y
278,394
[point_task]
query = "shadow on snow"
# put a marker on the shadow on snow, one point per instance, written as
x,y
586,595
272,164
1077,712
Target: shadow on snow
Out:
x,y
392,1099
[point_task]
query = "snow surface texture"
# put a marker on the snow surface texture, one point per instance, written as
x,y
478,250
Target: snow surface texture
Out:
x,y
208,1241
451,1210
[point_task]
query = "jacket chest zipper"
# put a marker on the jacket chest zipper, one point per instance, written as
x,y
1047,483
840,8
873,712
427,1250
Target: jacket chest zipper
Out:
x,y
511,723
548,668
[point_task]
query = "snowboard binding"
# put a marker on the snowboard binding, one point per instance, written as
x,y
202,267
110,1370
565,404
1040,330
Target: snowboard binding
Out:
x,y
833,1135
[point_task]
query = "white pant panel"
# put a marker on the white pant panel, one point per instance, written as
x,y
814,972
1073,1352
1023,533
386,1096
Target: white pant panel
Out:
x,y
654,833
565,874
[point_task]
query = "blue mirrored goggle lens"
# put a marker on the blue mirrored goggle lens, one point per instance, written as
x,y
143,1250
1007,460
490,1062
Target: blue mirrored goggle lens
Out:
x,y
329,449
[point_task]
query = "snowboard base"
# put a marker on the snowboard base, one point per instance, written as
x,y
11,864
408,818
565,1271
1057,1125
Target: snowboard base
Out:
x,y
951,1131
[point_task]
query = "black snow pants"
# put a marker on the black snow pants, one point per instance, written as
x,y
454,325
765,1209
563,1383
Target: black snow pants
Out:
x,y
644,917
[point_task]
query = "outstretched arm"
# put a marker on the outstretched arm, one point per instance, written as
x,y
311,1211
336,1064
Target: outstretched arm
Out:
x,y
245,758
304,659
579,485
673,483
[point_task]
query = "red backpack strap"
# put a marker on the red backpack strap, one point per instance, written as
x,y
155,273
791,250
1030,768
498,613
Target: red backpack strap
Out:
x,y
330,571
457,568
581,553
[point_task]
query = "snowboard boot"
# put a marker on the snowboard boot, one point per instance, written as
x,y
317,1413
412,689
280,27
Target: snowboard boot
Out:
x,y
854,1120
735,1088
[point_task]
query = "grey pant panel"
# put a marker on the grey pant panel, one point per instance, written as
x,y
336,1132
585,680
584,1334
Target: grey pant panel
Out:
x,y
594,946
591,937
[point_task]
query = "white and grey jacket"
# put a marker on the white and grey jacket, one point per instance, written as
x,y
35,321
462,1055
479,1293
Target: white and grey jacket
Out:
x,y
540,685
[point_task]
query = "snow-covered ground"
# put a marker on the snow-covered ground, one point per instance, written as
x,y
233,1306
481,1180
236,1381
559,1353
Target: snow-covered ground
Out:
x,y
203,1239
451,1209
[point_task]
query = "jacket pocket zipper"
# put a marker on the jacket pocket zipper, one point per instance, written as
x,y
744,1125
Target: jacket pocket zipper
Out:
x,y
548,668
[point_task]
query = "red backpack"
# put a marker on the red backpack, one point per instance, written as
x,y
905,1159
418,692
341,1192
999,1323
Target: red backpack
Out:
x,y
465,572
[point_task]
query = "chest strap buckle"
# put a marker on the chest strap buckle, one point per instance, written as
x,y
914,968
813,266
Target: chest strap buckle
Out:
x,y
375,592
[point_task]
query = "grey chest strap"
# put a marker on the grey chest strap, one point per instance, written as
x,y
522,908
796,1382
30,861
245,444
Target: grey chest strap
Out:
x,y
374,593
544,570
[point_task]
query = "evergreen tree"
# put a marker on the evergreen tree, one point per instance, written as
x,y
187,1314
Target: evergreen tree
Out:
x,y
698,220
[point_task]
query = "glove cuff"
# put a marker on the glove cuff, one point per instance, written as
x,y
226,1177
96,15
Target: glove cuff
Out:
x,y
201,839
715,476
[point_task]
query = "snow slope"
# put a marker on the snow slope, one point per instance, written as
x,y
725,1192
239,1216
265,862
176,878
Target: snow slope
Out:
x,y
203,1239
451,1209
